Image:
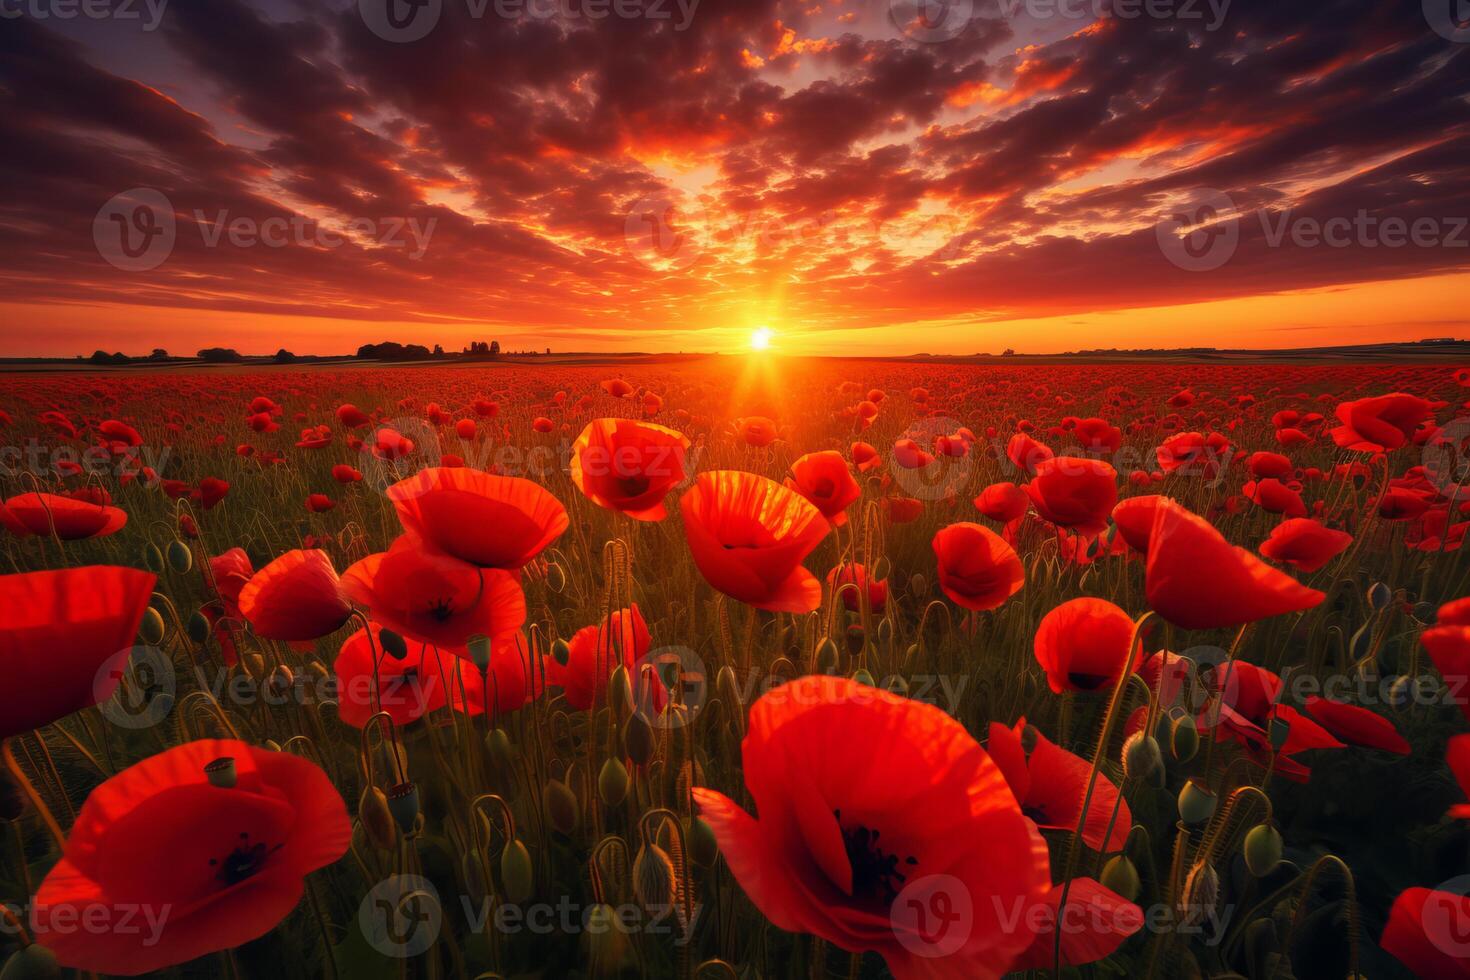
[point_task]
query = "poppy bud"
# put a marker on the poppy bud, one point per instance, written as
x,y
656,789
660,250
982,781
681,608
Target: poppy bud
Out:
x,y
403,803
1262,849
885,630
280,681
1142,759
620,692
33,962
827,656
198,628
151,629
1184,739
638,739
221,772
394,645
612,783
561,807
561,651
1196,803
609,950
654,878
855,637
1400,691
1120,875
862,676
502,752
474,875
517,875
479,650
1201,892
1361,641
918,584
180,558
700,838
153,558
1379,596
376,819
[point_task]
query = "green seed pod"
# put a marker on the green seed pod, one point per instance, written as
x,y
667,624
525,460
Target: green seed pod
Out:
x,y
151,630
1184,739
474,874
638,739
153,558
34,962
180,558
655,881
1401,691
1142,759
1262,849
700,838
222,772
862,676
612,783
502,752
1201,893
561,651
561,807
885,630
394,645
198,629
517,875
280,681
918,584
620,692
403,803
376,819
479,650
1120,875
1196,803
827,656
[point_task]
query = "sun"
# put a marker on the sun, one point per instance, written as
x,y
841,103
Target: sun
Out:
x,y
760,338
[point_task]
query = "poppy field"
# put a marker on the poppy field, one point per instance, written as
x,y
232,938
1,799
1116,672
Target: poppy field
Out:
x,y
736,667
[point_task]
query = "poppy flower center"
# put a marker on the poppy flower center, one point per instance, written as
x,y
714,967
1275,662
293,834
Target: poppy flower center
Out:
x,y
441,609
243,862
875,873
1088,682
633,486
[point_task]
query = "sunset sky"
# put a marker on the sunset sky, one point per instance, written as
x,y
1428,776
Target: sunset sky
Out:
x,y
850,175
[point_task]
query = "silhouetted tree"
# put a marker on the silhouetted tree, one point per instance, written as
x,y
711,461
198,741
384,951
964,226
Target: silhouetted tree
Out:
x,y
283,356
220,355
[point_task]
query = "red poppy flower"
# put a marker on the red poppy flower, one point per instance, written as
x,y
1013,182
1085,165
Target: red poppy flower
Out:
x,y
862,794
488,520
1082,645
749,535
352,417
1380,424
1004,502
542,424
1457,757
68,518
1094,922
1274,465
902,510
1305,544
617,387
595,651
1198,580
865,457
1074,493
1193,454
629,466
1275,497
756,430
1426,932
230,571
319,503
1026,453
65,637
824,479
1357,726
225,864
1244,703
1402,504
424,681
434,597
1449,648
1098,436
1050,783
977,568
391,444
295,598
854,573
343,473
1135,519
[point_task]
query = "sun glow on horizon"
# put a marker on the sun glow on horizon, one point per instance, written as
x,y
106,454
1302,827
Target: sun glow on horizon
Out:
x,y
760,338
